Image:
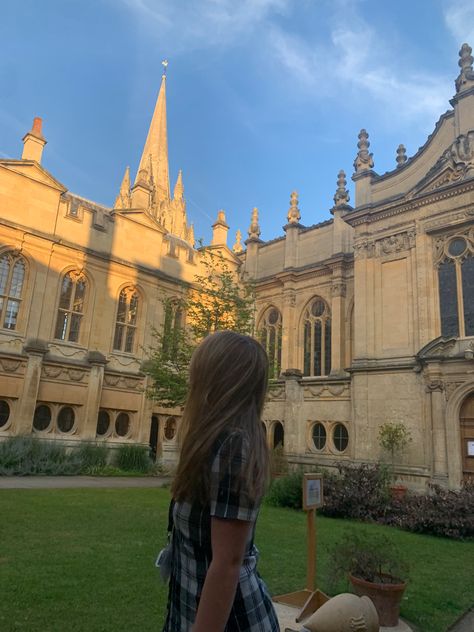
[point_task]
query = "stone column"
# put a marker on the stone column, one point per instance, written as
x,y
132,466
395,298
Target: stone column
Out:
x,y
294,429
35,349
435,388
94,394
338,291
289,352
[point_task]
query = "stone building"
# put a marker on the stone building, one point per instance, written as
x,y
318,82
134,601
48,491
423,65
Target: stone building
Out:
x,y
367,317
81,289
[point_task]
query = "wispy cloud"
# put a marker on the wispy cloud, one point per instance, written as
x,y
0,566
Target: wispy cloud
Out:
x,y
459,19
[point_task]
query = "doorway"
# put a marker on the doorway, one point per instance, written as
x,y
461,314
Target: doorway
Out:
x,y
154,436
466,420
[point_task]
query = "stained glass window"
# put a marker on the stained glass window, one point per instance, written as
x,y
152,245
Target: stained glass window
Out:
x,y
126,323
456,289
269,333
12,277
71,307
317,338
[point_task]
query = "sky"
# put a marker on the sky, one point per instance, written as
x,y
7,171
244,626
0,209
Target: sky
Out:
x,y
263,96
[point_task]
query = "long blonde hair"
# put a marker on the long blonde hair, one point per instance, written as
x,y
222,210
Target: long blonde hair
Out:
x,y
228,379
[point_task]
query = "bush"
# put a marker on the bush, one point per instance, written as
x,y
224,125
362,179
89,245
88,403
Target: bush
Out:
x,y
278,462
93,455
356,491
26,456
133,458
287,491
444,512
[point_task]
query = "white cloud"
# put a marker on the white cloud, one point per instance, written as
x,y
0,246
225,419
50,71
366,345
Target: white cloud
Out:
x,y
459,19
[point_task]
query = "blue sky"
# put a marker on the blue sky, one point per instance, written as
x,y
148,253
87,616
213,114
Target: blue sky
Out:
x,y
264,96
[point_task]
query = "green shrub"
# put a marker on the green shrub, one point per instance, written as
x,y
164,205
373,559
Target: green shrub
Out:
x,y
28,455
93,455
133,458
287,491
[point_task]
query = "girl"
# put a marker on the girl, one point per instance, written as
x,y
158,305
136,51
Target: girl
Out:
x,y
220,480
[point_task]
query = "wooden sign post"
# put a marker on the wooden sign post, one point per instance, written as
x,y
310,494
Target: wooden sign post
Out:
x,y
309,599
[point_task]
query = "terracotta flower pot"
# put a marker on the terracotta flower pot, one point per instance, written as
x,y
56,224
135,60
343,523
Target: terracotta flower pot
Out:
x,y
344,613
386,597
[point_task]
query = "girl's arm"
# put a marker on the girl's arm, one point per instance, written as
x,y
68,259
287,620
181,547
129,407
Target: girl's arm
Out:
x,y
228,539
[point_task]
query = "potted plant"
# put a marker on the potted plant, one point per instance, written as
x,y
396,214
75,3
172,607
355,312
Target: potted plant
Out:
x,y
394,437
374,568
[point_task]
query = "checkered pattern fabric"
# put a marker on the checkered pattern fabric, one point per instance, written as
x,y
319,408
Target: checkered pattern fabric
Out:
x,y
252,610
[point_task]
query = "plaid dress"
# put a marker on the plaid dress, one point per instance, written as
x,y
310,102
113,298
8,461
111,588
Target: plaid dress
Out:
x,y
252,610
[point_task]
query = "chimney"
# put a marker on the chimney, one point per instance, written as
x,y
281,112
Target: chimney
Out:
x,y
219,230
33,142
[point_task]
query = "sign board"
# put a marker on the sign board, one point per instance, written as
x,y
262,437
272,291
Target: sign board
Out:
x,y
312,491
470,448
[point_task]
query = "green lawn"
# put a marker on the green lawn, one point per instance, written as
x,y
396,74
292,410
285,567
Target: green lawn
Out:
x,y
82,560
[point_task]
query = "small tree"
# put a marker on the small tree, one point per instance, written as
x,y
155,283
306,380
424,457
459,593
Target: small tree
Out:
x,y
394,437
217,300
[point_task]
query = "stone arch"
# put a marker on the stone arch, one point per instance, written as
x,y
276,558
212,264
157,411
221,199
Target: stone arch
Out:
x,y
453,431
277,434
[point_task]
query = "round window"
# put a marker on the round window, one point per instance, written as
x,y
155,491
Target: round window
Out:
x,y
273,316
341,437
122,424
317,308
319,436
170,428
66,419
42,418
103,423
4,413
457,246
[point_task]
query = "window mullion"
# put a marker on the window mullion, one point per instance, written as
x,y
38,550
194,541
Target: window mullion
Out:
x,y
323,347
460,299
311,358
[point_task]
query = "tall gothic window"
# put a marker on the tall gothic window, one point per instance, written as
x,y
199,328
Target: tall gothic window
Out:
x,y
456,288
173,323
317,338
12,276
269,333
71,307
126,323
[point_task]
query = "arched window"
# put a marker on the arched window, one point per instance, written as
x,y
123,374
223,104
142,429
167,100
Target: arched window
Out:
x,y
456,288
71,307
317,338
270,336
12,276
172,325
126,323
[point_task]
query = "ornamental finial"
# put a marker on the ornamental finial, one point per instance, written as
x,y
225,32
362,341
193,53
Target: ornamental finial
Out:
x,y
254,229
164,63
466,76
294,214
237,247
341,197
401,156
363,160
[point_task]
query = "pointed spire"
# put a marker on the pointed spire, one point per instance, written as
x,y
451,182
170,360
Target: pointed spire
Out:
x,y
123,198
178,187
294,214
254,228
364,160
401,156
237,247
156,146
190,235
466,76
341,197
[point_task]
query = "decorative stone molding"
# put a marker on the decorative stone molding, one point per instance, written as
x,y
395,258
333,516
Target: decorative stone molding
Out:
x,y
254,228
10,366
289,298
401,156
364,249
276,393
123,382
326,391
341,197
450,387
294,214
364,160
398,242
441,243
54,372
338,288
76,375
434,385
466,76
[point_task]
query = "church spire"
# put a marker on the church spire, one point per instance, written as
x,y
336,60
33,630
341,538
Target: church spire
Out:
x,y
178,187
123,198
155,151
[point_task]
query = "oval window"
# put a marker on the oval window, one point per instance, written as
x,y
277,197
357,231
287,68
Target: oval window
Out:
x,y
170,428
319,436
66,419
273,316
317,308
4,413
457,246
340,437
122,424
42,418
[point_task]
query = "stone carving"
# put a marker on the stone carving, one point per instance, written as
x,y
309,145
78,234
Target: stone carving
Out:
x,y
469,351
131,382
338,288
341,197
294,214
76,375
466,76
364,249
450,387
10,366
440,243
434,385
364,159
336,389
52,371
254,228
396,243
111,380
456,163
276,393
289,298
401,156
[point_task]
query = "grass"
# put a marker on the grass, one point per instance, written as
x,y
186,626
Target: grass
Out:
x,y
82,559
